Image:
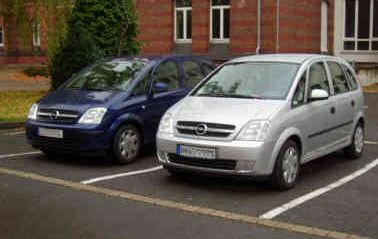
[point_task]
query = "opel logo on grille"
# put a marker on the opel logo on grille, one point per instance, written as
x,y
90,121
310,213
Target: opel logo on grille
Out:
x,y
55,115
201,129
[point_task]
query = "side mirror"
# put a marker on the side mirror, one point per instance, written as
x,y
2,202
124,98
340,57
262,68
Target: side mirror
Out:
x,y
318,94
159,87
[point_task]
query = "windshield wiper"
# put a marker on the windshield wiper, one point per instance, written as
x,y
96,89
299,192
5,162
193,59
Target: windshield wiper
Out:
x,y
211,94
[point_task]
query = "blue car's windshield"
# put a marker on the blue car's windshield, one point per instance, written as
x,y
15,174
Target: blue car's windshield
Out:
x,y
265,80
107,75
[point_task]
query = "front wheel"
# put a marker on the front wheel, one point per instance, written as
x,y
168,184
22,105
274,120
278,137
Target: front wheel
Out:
x,y
286,169
126,145
356,148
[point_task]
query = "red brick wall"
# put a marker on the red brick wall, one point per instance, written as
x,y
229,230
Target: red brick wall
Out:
x,y
268,26
243,31
200,26
300,22
155,25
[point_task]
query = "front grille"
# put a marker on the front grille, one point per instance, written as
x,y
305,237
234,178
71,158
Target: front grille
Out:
x,y
213,129
57,116
224,164
64,144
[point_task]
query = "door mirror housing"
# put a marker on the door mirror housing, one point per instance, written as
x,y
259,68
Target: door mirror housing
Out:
x,y
318,94
159,87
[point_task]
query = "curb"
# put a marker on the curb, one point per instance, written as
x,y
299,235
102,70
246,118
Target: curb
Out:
x,y
12,125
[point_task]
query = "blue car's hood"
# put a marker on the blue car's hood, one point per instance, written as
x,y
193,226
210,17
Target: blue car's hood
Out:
x,y
78,100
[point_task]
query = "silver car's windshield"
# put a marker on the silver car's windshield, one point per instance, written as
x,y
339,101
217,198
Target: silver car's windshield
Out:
x,y
108,75
265,80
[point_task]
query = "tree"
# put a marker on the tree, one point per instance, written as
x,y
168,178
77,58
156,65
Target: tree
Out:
x,y
112,23
78,51
25,13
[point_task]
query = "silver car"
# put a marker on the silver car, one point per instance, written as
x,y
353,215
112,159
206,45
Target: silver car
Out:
x,y
265,116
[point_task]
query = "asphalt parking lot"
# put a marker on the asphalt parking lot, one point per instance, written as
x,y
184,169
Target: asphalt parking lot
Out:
x,y
71,197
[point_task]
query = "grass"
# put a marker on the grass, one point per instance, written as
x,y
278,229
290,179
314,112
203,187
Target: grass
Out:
x,y
371,88
15,104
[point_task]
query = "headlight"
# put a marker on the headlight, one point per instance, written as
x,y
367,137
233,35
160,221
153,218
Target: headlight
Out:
x,y
166,124
254,130
93,116
33,112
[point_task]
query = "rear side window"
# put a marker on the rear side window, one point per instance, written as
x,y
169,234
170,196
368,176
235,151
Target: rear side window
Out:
x,y
351,78
193,73
167,73
340,82
317,78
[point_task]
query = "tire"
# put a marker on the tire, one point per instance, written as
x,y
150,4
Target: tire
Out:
x,y
49,153
287,166
126,144
355,150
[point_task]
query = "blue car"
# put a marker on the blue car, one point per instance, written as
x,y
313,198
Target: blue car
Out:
x,y
113,106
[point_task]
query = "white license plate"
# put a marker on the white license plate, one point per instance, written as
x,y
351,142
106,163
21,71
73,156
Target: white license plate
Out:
x,y
51,133
196,152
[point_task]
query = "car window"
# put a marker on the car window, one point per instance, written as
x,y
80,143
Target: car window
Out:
x,y
317,78
207,68
192,73
142,86
263,80
340,82
108,75
299,95
167,73
351,78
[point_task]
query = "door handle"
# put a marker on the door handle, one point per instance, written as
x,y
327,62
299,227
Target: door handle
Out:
x,y
143,107
333,110
352,103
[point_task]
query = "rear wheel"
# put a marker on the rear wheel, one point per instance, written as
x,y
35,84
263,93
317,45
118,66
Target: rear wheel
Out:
x,y
286,169
356,148
126,145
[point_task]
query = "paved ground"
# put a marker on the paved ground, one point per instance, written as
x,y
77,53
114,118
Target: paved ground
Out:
x,y
9,84
155,204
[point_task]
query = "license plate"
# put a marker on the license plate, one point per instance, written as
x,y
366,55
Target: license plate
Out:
x,y
51,133
196,152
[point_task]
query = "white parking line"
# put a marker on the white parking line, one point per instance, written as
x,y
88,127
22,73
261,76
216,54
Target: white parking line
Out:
x,y
300,200
19,154
371,142
94,180
15,133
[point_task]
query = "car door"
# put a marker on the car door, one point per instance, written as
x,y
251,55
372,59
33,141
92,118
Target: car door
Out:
x,y
320,114
166,89
345,102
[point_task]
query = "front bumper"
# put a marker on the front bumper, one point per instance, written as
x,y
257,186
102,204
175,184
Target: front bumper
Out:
x,y
76,139
250,158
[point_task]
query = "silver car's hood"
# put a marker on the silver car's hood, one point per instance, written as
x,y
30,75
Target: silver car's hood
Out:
x,y
225,110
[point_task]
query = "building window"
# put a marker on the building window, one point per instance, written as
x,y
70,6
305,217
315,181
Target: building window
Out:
x,y
183,21
220,21
36,34
1,36
360,25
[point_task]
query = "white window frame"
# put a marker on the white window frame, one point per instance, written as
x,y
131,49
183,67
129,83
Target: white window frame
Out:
x,y
185,10
324,27
221,39
355,38
3,36
36,35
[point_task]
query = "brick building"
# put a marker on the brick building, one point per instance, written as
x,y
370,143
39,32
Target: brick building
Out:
x,y
222,29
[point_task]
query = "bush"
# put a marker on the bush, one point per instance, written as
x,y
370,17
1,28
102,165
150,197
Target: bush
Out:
x,y
33,71
78,51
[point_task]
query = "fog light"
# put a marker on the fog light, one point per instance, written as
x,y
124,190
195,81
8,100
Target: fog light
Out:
x,y
245,166
162,156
